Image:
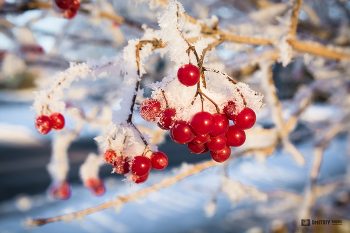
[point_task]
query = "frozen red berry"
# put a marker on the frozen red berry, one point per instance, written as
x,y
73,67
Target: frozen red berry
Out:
x,y
200,138
139,179
57,120
43,124
235,136
159,160
64,4
196,148
188,75
245,119
202,123
121,165
140,165
109,156
150,109
96,186
181,132
69,13
75,5
166,118
61,191
230,110
221,124
216,143
222,155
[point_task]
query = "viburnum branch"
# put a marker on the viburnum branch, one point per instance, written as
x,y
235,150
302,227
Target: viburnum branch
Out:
x,y
121,200
311,188
315,49
294,19
277,116
155,44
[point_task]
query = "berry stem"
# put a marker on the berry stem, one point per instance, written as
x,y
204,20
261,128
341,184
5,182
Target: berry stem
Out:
x,y
138,131
199,92
166,101
229,79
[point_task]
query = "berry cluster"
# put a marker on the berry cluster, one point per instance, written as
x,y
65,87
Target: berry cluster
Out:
x,y
139,166
205,131
44,124
68,8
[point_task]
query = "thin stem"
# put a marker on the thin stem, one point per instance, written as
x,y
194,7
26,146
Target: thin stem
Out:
x,y
166,101
141,136
229,79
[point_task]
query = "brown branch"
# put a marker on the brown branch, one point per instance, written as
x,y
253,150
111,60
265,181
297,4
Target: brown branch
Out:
x,y
277,115
294,19
121,200
317,49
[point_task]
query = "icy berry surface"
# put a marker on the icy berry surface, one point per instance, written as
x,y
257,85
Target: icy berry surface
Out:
x,y
43,124
150,109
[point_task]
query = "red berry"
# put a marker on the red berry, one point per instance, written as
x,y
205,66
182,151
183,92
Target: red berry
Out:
x,y
245,119
181,132
57,121
61,191
221,125
70,13
202,123
96,186
31,49
205,151
76,5
222,155
109,156
196,148
43,124
150,109
166,118
159,160
139,179
121,165
235,136
64,4
188,75
230,110
201,138
141,165
216,143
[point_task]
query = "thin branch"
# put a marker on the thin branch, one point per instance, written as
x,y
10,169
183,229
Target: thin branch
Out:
x,y
294,19
277,116
121,200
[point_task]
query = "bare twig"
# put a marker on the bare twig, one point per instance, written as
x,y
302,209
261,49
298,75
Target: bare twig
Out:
x,y
294,19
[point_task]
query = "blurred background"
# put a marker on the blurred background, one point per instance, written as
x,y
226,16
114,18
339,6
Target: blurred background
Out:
x,y
36,43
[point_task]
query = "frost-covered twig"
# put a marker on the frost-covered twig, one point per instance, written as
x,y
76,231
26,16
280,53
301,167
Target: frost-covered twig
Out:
x,y
269,85
118,202
294,18
312,190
